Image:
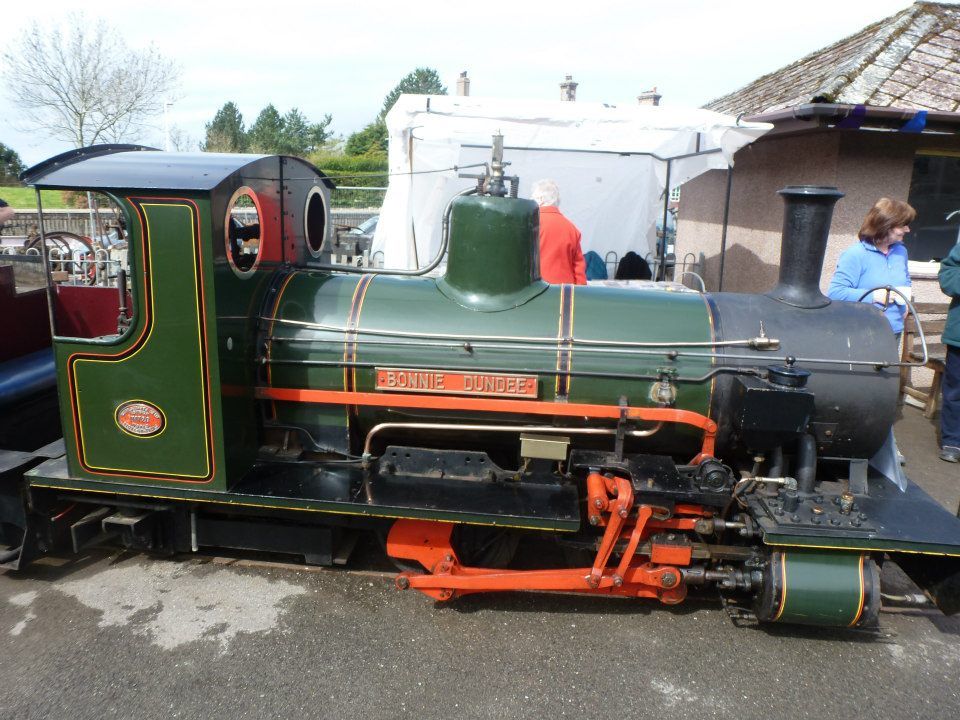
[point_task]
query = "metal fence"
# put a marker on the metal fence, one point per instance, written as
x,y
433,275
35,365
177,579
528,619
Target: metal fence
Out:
x,y
687,271
351,206
27,222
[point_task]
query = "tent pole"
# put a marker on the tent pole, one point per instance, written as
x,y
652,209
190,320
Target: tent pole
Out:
x,y
662,253
726,218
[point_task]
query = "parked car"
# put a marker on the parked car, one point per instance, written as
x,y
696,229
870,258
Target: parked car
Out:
x,y
368,227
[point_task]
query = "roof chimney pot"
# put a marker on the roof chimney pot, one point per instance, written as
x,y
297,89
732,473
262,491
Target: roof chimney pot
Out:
x,y
649,97
463,84
568,90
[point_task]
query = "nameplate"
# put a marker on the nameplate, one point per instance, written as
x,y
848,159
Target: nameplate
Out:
x,y
457,383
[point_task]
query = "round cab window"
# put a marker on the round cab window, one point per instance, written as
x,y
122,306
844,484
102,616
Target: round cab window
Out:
x,y
315,220
243,232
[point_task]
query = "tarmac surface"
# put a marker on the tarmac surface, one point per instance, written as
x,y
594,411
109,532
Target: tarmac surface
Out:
x,y
117,635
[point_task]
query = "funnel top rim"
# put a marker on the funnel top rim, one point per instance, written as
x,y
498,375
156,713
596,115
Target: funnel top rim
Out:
x,y
812,191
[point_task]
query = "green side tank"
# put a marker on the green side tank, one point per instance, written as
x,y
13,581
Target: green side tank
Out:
x,y
490,313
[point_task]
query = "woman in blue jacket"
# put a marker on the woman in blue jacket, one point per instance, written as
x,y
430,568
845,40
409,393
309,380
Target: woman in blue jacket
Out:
x,y
879,259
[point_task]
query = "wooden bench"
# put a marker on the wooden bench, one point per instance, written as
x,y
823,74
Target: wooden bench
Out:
x,y
933,318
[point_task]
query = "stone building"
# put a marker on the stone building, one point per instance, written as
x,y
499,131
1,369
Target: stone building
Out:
x,y
875,114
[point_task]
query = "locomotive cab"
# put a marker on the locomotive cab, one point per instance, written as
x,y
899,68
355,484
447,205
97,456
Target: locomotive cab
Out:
x,y
160,391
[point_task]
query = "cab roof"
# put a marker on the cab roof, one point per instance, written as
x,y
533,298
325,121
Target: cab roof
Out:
x,y
145,168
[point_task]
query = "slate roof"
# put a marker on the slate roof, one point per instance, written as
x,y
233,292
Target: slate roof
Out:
x,y
908,60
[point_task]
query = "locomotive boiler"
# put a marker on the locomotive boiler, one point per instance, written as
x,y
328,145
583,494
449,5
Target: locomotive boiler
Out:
x,y
231,389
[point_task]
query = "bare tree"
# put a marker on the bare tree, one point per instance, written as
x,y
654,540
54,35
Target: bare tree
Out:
x,y
181,141
83,84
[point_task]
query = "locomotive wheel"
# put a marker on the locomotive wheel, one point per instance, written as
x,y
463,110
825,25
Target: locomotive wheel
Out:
x,y
476,546
488,547
12,537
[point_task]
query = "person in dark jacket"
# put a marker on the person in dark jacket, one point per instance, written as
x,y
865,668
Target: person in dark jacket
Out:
x,y
950,411
633,267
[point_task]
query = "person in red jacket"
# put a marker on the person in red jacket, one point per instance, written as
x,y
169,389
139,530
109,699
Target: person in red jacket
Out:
x,y
561,259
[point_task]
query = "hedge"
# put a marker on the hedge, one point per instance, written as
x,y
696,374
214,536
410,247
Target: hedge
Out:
x,y
354,171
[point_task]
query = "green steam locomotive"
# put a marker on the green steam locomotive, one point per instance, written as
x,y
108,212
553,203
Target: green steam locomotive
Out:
x,y
228,387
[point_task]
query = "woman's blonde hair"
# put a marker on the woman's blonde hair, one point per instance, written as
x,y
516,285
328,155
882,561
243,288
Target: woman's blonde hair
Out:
x,y
883,217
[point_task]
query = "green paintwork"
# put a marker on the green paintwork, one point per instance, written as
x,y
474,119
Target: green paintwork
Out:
x,y
822,588
187,265
209,443
416,305
238,304
185,268
494,257
170,286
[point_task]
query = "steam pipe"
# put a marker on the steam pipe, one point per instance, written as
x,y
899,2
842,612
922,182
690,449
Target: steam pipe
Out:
x,y
444,241
453,427
776,462
806,470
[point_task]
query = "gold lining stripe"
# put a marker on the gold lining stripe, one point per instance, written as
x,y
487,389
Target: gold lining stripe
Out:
x,y
859,612
350,340
273,321
147,241
564,343
713,358
783,581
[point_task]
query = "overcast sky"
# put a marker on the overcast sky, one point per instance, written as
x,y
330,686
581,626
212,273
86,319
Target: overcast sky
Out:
x,y
342,58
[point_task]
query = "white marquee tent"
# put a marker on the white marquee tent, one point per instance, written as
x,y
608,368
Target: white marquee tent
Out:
x,y
612,164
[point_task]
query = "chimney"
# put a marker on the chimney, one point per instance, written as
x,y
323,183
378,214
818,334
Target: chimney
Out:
x,y
568,90
806,225
649,97
463,84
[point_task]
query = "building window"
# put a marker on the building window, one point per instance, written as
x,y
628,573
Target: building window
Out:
x,y
935,193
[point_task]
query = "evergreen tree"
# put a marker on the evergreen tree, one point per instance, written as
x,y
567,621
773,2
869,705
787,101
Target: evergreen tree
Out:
x,y
293,133
266,133
373,138
225,133
319,133
369,141
422,81
270,134
298,136
10,166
